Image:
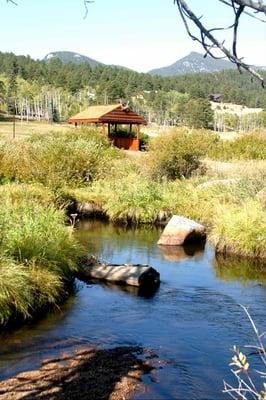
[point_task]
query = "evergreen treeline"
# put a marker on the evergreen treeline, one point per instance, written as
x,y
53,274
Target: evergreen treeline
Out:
x,y
53,89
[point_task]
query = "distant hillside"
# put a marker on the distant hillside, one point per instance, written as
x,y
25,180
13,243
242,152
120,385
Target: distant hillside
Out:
x,y
106,83
71,57
193,62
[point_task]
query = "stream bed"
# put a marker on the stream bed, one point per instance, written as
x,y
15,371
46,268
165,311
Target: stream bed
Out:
x,y
190,322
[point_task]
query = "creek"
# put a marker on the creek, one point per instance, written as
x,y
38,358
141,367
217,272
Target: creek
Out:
x,y
190,322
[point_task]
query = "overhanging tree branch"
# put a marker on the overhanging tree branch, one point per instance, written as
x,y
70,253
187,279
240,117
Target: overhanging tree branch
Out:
x,y
255,5
210,43
86,2
12,1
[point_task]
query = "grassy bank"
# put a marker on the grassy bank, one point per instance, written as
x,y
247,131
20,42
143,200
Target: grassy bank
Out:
x,y
42,174
38,252
172,179
234,217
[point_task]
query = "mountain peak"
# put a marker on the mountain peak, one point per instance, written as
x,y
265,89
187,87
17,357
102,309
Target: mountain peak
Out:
x,y
192,63
71,57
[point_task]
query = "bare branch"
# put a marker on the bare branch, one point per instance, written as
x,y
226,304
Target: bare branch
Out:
x,y
255,5
238,13
12,1
209,42
244,12
86,2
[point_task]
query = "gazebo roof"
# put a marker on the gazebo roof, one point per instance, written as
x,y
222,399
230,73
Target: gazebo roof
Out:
x,y
113,113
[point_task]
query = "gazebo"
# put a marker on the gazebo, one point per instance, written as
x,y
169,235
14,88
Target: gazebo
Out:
x,y
109,117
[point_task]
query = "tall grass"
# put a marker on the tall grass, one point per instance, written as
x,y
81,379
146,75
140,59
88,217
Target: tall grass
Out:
x,y
25,289
38,254
132,199
56,160
240,229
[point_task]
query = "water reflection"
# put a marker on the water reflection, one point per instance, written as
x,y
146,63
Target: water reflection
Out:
x,y
145,292
239,270
178,253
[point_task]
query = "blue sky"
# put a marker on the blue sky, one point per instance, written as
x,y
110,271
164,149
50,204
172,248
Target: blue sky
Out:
x,y
139,34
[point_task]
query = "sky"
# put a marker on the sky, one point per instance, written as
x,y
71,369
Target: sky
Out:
x,y
138,34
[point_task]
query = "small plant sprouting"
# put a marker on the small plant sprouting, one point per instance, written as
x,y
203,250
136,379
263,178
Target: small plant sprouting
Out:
x,y
246,388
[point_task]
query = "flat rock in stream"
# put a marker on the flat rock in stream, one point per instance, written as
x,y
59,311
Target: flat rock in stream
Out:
x,y
180,231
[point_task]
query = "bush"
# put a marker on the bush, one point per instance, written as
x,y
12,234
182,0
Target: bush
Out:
x,y
177,155
247,147
58,159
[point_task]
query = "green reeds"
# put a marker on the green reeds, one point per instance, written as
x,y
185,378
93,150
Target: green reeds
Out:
x,y
240,229
38,254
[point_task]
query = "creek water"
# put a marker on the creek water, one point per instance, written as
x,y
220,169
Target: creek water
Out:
x,y
190,322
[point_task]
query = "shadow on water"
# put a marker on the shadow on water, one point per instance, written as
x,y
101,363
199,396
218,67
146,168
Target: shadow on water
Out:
x,y
89,373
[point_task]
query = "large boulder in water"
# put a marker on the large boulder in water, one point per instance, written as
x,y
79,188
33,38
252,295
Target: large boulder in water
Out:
x,y
181,230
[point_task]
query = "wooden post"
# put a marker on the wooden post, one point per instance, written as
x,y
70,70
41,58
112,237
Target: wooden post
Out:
x,y
138,130
14,123
115,128
130,128
109,129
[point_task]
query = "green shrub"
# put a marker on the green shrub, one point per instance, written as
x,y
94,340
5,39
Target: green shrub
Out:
x,y
177,154
246,147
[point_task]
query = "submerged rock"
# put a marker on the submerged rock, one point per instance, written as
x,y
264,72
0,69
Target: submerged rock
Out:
x,y
181,230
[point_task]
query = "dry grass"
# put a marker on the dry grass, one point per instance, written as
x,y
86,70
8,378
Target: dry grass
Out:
x,y
28,128
236,169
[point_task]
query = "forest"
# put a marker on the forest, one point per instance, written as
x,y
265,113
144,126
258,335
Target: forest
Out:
x,y
54,91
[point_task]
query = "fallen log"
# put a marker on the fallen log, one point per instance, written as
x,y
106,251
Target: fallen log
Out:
x,y
140,275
